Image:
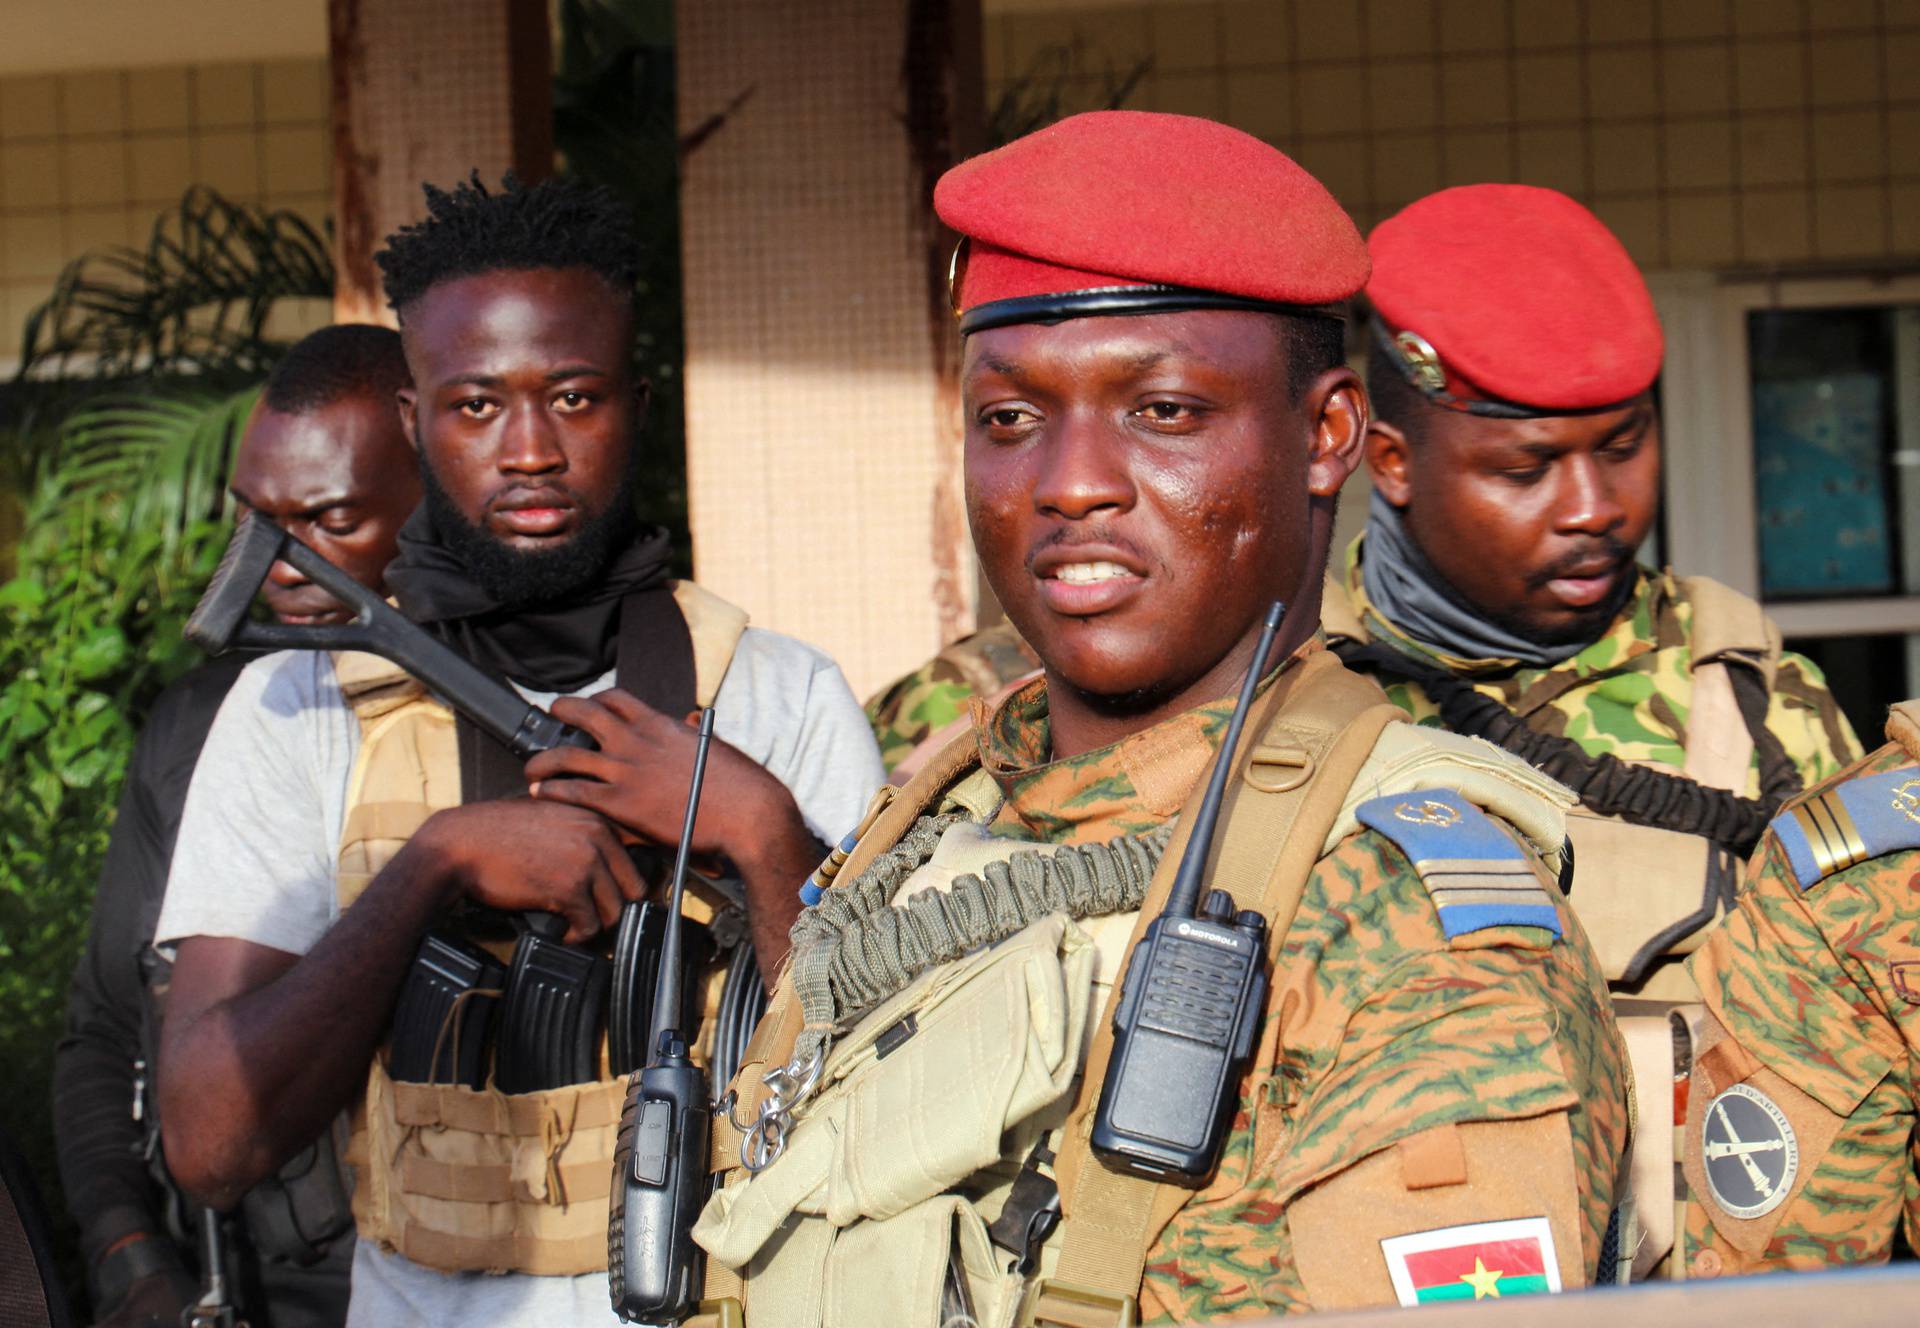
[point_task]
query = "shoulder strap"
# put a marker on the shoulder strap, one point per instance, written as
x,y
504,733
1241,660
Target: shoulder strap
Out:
x,y
1736,651
1316,731
715,628
1728,624
1337,616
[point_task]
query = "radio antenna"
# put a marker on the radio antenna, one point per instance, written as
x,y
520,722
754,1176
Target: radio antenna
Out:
x,y
666,993
1184,897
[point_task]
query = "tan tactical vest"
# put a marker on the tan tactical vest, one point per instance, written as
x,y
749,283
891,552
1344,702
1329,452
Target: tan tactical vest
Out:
x,y
452,1178
905,1152
1650,896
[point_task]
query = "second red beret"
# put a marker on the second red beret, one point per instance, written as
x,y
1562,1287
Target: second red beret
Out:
x,y
1522,294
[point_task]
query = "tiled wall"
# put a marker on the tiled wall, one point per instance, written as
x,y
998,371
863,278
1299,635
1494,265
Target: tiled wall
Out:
x,y
89,160
1707,133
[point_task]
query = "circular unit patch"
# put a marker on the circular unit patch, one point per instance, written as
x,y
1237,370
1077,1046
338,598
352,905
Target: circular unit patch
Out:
x,y
1750,1154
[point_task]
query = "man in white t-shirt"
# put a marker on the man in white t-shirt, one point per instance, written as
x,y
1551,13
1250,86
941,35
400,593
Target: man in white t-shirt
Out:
x,y
516,316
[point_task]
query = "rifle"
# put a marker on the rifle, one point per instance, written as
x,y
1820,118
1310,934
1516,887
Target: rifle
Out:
x,y
215,1308
553,998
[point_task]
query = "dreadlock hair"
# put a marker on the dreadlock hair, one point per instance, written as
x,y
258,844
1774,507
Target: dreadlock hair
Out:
x,y
345,360
1315,344
557,223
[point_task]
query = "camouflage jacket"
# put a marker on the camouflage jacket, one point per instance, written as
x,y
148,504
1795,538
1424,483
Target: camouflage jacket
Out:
x,y
934,696
1813,983
1628,694
1387,1042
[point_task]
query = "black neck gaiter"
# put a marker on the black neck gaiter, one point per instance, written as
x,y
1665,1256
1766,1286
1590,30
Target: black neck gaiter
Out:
x,y
557,645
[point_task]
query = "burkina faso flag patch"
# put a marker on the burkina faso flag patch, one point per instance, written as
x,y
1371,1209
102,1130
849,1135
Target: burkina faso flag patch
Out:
x,y
1479,1261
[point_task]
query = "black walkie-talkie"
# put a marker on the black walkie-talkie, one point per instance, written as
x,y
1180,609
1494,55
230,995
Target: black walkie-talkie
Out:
x,y
1190,1004
660,1153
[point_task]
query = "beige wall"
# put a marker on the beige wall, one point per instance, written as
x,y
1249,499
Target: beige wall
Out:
x,y
822,433
54,36
90,159
1707,133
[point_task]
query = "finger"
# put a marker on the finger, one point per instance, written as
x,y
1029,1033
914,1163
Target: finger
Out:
x,y
586,794
588,715
572,763
625,872
607,899
583,921
627,707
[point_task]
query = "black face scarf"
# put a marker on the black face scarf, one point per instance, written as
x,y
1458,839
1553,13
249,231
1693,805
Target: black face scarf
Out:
x,y
555,628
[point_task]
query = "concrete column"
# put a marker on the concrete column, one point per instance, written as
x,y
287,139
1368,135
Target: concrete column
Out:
x,y
427,90
822,424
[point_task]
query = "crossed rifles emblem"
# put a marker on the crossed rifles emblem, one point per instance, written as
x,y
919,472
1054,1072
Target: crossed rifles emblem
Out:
x,y
1428,811
1906,800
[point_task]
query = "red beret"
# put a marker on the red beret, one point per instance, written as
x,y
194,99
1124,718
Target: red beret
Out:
x,y
1128,212
1522,298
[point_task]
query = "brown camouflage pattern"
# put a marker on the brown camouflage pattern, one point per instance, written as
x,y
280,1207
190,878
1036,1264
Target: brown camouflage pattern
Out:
x,y
1088,799
1628,694
908,711
1823,987
1378,1028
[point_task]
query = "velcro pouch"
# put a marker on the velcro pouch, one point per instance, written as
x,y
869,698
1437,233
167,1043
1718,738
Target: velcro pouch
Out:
x,y
918,1096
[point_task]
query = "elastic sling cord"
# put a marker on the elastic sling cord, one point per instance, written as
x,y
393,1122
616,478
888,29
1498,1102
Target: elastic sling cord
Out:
x,y
1604,783
855,948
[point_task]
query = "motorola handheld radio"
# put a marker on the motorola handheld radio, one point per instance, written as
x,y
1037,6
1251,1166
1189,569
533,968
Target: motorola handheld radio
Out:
x,y
660,1153
1190,1003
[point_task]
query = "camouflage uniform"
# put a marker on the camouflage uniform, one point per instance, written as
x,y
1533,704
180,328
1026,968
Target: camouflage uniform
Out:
x,y
1386,1041
934,697
1813,984
1627,694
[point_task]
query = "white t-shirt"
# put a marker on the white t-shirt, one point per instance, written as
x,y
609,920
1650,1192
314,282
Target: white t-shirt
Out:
x,y
260,836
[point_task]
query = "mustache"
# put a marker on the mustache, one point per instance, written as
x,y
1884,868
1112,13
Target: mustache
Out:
x,y
1614,549
1068,537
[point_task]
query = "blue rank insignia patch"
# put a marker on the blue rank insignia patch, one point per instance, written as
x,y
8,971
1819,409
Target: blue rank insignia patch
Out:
x,y
1850,823
1475,871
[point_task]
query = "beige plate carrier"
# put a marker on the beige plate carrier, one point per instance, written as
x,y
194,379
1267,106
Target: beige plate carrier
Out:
x,y
452,1178
873,1179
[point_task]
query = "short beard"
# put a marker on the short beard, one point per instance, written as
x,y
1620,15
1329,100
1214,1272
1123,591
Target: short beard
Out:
x,y
517,579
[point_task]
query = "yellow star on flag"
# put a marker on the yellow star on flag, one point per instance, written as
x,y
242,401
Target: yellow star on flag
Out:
x,y
1485,1284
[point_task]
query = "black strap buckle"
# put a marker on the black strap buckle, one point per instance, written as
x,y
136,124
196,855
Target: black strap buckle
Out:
x,y
1031,1213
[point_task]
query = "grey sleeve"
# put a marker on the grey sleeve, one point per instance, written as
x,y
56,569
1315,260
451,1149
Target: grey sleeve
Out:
x,y
259,838
788,706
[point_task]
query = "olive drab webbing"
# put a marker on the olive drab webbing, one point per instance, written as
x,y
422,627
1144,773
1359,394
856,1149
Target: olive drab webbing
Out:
x,y
451,1177
856,948
796,1239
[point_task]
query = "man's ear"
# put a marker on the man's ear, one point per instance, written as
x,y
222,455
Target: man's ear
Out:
x,y
1390,458
1340,412
409,405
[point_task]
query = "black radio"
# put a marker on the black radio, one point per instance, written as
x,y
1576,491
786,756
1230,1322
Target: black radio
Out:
x,y
1190,1004
660,1154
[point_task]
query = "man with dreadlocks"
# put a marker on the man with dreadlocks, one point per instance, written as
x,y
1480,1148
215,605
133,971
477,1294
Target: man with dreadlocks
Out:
x,y
1515,454
340,810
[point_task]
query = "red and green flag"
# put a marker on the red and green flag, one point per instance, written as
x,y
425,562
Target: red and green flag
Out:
x,y
1480,1261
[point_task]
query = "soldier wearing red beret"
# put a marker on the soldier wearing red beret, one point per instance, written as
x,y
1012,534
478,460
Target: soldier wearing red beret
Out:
x,y
1426,1100
1515,455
